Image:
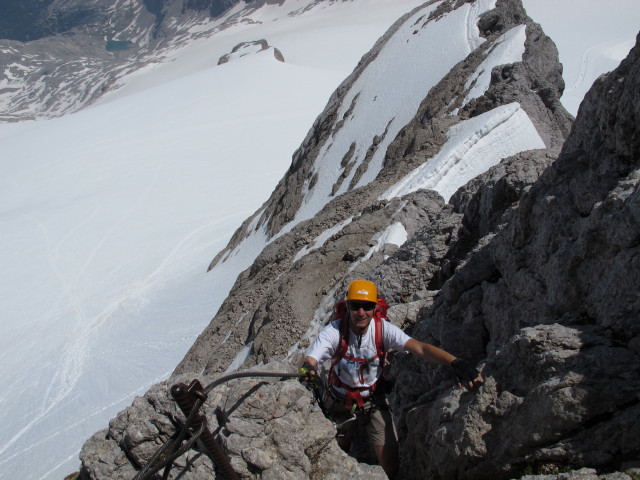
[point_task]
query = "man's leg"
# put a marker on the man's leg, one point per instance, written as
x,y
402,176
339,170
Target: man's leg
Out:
x,y
388,459
383,437
344,434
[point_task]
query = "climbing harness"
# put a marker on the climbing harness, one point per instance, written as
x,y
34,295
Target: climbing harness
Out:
x,y
190,399
353,397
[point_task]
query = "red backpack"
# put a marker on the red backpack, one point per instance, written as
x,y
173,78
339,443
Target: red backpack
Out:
x,y
379,315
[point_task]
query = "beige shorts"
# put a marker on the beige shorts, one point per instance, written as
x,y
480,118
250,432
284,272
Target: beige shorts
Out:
x,y
381,429
375,416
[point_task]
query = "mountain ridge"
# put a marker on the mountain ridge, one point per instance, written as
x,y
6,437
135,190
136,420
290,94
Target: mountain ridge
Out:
x,y
505,274
416,143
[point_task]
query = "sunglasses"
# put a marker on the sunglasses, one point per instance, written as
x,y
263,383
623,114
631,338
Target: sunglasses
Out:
x,y
366,306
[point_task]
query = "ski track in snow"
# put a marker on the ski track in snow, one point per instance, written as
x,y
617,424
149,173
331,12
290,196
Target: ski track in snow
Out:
x,y
76,348
587,60
80,421
473,14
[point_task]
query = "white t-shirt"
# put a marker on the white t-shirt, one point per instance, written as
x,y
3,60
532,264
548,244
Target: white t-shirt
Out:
x,y
357,374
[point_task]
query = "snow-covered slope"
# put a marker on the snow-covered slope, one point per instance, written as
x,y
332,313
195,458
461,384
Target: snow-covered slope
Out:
x,y
386,95
110,216
472,147
592,38
383,97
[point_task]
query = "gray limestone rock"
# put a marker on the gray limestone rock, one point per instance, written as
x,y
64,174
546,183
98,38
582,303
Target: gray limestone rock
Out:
x,y
550,309
246,48
268,429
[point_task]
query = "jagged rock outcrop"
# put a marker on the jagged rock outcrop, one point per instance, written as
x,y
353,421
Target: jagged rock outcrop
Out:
x,y
267,428
549,305
530,270
247,48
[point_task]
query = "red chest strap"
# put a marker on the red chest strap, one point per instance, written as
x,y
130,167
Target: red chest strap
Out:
x,y
353,393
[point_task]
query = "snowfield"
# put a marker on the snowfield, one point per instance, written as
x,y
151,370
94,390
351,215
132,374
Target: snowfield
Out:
x,y
472,147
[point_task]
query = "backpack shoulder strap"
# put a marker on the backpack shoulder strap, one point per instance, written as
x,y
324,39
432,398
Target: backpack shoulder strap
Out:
x,y
344,336
381,308
379,338
343,343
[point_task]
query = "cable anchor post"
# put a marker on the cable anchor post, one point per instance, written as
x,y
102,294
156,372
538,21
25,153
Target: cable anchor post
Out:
x,y
186,397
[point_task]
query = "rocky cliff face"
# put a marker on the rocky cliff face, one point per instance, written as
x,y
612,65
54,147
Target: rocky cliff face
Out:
x,y
549,306
272,431
530,269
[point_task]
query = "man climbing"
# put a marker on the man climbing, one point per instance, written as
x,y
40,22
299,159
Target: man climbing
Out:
x,y
355,391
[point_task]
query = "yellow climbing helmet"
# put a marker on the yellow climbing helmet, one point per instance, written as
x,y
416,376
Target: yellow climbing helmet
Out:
x,y
362,290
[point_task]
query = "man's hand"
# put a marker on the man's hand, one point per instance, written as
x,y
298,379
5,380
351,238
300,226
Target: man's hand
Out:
x,y
466,374
311,376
